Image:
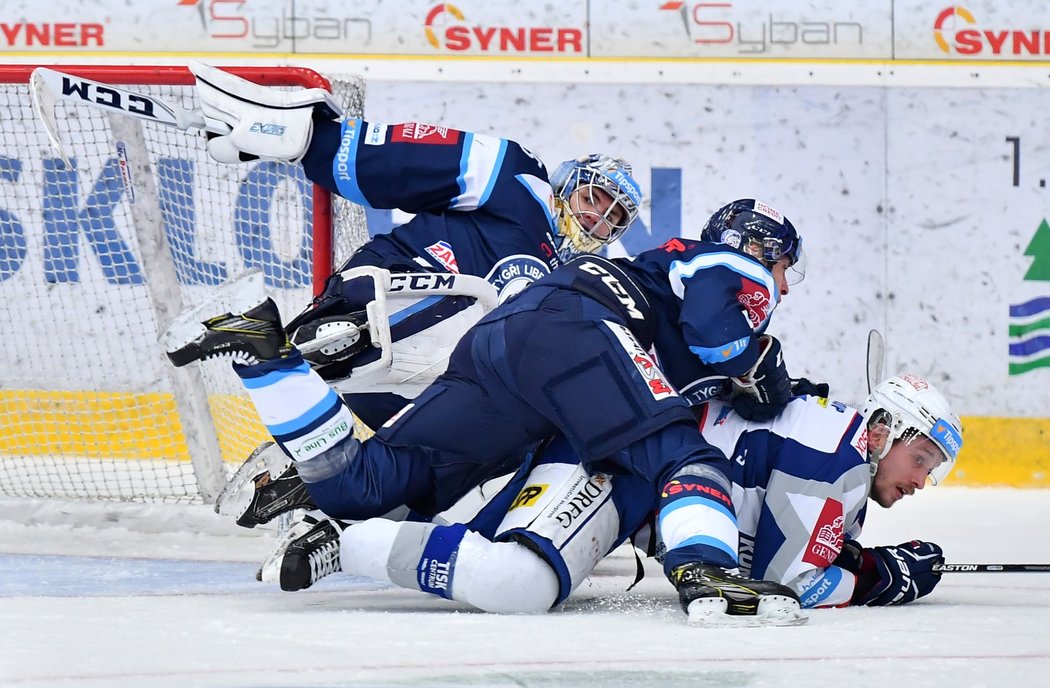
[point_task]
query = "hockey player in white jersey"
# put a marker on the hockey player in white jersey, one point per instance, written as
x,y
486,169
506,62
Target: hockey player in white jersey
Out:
x,y
801,484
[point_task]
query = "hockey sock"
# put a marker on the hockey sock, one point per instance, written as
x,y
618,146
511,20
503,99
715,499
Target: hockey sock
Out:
x,y
302,413
698,522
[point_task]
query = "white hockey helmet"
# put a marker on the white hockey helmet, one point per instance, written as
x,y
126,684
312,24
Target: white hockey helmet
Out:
x,y
905,407
575,226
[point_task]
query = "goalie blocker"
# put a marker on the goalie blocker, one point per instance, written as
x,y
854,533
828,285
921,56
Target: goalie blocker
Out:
x,y
264,122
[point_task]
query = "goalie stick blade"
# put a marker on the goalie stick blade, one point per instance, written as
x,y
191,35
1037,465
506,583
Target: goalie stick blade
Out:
x,y
44,103
876,358
773,610
50,86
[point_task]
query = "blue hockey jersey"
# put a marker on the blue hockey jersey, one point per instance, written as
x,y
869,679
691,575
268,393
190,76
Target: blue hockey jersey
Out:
x,y
483,205
698,305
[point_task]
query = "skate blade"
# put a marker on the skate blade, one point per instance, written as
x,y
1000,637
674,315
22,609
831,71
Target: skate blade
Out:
x,y
236,296
773,610
236,496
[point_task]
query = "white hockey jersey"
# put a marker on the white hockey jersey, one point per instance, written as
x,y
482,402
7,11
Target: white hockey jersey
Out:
x,y
800,488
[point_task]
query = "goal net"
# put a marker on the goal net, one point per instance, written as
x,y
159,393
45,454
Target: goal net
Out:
x,y
100,251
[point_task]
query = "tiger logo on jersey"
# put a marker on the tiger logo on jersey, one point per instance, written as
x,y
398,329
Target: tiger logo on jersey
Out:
x,y
756,302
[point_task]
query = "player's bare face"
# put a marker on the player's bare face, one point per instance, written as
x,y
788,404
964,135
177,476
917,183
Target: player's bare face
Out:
x,y
904,470
596,212
779,270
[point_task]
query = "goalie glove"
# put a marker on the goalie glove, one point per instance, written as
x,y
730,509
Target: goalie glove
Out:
x,y
766,388
266,122
892,575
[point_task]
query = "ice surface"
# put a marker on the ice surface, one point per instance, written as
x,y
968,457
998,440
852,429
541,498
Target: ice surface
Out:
x,y
165,595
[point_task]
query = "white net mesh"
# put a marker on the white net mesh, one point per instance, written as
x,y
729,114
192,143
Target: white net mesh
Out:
x,y
95,257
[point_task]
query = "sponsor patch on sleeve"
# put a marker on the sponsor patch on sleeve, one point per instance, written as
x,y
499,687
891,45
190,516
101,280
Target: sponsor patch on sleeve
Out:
x,y
414,132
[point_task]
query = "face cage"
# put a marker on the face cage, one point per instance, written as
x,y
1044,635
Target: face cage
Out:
x,y
576,238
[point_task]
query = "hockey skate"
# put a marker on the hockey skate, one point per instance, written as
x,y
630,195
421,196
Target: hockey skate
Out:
x,y
714,596
249,332
308,552
266,485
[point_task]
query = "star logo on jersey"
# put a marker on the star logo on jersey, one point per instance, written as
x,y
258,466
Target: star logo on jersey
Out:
x,y
827,536
442,252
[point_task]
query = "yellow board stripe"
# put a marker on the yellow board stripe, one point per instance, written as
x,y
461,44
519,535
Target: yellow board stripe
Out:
x,y
1013,452
1010,452
117,425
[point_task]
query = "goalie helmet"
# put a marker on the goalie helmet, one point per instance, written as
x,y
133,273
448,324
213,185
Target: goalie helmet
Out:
x,y
580,226
904,408
758,229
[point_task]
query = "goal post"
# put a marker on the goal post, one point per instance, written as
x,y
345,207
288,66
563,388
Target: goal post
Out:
x,y
97,255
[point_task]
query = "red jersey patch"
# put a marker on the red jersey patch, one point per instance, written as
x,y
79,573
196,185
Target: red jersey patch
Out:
x,y
754,297
414,132
825,542
442,252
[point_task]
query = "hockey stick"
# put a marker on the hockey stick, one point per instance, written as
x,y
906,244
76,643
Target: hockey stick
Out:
x,y
876,358
991,568
48,87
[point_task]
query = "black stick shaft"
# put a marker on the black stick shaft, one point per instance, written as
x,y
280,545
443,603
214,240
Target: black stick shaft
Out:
x,y
992,568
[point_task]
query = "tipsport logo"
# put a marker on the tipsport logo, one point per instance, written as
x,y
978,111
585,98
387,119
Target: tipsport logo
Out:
x,y
957,32
947,437
446,28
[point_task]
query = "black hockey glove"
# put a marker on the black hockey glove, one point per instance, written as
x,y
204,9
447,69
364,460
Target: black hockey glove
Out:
x,y
801,387
767,388
892,575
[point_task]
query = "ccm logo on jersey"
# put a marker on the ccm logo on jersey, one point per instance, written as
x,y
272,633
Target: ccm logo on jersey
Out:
x,y
413,132
615,287
825,542
651,373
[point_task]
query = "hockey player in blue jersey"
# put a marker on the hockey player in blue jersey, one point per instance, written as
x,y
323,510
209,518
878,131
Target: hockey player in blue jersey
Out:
x,y
484,212
569,356
801,484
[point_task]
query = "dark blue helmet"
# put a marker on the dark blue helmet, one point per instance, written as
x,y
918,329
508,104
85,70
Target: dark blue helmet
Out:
x,y
755,228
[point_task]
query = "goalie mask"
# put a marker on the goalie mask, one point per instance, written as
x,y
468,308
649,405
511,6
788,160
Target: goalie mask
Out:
x,y
759,230
596,200
907,407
